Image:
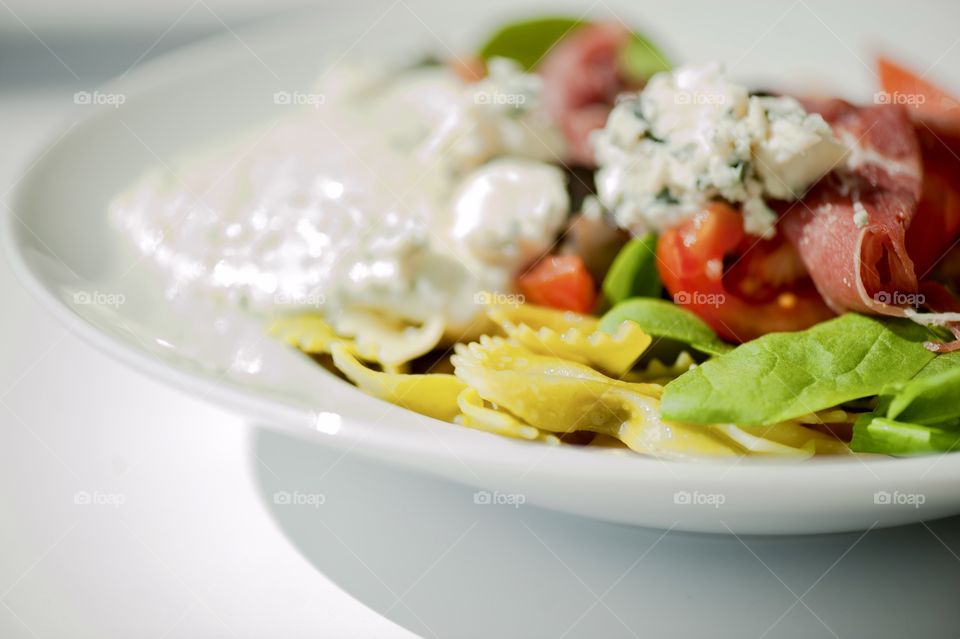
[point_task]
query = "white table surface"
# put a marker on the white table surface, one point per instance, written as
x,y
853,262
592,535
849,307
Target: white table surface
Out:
x,y
184,539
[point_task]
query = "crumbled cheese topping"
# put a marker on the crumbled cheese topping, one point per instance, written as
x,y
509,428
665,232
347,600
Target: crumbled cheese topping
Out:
x,y
692,136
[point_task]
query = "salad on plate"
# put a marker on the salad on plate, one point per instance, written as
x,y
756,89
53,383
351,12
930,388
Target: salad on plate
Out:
x,y
567,239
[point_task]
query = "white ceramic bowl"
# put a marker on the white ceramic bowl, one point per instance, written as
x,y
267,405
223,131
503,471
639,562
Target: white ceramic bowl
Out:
x,y
64,250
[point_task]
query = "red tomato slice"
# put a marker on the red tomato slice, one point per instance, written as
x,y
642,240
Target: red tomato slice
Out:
x,y
923,98
560,281
741,285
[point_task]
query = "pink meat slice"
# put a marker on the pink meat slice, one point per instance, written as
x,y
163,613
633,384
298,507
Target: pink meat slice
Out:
x,y
581,80
862,268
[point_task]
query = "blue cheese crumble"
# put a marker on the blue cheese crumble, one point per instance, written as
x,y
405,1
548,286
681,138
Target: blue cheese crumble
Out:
x,y
692,136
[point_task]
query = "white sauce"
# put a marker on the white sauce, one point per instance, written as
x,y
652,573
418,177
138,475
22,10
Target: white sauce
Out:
x,y
691,136
501,209
382,197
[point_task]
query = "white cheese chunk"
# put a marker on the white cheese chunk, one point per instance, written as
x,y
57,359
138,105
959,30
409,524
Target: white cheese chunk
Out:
x,y
692,136
793,149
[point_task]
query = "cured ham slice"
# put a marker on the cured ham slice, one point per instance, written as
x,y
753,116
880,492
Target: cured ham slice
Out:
x,y
850,229
936,114
932,239
936,224
582,79
946,310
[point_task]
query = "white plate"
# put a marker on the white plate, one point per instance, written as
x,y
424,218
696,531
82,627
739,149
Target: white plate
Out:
x,y
64,250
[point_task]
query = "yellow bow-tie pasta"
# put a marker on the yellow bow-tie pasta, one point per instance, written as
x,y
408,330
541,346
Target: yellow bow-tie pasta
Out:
x,y
476,414
572,336
434,395
556,395
787,439
387,341
308,332
372,338
656,372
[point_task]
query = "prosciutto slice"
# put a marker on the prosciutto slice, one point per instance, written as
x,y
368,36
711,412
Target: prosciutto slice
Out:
x,y
936,225
850,229
581,80
936,115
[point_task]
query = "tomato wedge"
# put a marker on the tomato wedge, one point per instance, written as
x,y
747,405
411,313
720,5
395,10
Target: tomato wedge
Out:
x,y
741,285
560,281
925,100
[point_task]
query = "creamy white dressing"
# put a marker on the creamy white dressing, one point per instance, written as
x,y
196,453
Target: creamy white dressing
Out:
x,y
501,209
692,135
383,197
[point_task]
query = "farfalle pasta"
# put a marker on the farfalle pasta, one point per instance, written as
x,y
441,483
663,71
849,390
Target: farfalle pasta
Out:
x,y
562,396
431,395
373,338
549,375
386,341
475,412
572,336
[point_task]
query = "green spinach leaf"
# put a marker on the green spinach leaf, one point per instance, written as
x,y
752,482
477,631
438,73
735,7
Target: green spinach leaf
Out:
x,y
921,415
876,434
634,271
940,364
930,399
785,375
661,318
528,41
641,58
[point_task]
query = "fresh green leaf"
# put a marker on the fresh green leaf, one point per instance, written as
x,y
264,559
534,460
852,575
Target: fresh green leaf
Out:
x,y
641,58
921,415
940,364
634,271
930,400
875,434
528,41
661,318
781,376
